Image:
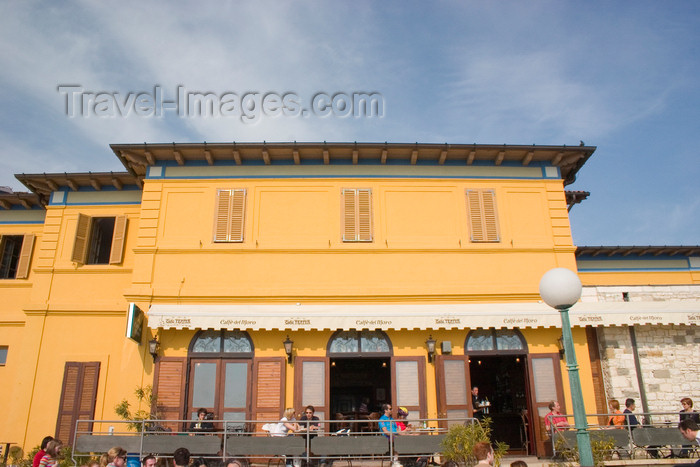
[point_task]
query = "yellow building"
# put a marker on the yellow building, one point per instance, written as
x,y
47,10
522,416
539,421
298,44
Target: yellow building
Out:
x,y
354,255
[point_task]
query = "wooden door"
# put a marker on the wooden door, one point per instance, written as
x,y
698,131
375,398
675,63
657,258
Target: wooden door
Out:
x,y
312,385
408,385
221,386
545,386
453,381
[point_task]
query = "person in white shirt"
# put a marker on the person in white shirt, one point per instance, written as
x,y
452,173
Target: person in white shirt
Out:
x,y
691,432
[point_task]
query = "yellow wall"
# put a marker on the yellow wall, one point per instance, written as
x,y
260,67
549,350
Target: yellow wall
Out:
x,y
293,245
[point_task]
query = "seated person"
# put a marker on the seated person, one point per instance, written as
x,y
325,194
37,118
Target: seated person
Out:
x,y
632,421
555,418
200,425
616,420
286,425
364,406
307,418
401,415
387,426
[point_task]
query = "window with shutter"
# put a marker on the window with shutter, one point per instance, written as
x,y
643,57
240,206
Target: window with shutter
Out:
x,y
482,215
15,256
357,215
229,219
78,397
99,240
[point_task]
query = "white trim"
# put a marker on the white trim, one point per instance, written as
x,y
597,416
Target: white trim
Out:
x,y
424,317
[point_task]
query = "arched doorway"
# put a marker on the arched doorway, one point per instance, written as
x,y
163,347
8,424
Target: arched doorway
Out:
x,y
219,364
498,366
360,371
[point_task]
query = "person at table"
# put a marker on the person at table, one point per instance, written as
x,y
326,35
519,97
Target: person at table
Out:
x,y
364,406
688,413
387,425
305,421
690,431
401,421
286,425
201,425
616,420
555,418
478,410
632,421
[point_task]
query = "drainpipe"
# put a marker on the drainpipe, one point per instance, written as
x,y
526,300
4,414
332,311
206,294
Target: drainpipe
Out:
x,y
640,378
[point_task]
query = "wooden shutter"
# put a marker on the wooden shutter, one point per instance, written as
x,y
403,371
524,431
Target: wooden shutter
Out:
x,y
364,215
229,219
408,385
78,398
169,389
25,257
357,215
545,386
118,240
80,244
268,395
482,215
596,373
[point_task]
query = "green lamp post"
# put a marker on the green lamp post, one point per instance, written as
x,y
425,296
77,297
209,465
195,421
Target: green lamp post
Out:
x,y
560,288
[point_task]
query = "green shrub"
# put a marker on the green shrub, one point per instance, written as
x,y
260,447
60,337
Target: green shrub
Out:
x,y
602,448
460,440
144,394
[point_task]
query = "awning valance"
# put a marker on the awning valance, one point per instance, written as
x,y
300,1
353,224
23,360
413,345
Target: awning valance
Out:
x,y
424,317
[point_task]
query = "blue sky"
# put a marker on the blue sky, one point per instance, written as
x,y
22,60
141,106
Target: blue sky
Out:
x,y
623,76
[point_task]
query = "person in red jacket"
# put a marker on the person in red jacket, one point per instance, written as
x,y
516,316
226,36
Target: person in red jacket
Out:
x,y
42,451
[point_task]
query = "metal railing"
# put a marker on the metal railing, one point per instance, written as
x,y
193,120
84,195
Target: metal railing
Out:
x,y
656,435
333,440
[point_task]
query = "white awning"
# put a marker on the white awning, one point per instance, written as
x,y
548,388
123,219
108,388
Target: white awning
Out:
x,y
424,317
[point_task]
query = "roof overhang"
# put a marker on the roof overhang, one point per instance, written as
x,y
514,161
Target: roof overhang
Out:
x,y
20,199
421,317
575,197
44,184
667,250
138,157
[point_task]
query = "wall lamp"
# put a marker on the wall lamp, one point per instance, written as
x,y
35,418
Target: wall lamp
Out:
x,y
430,343
288,347
560,346
153,346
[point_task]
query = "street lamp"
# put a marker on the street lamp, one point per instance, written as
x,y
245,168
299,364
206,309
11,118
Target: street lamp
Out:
x,y
560,288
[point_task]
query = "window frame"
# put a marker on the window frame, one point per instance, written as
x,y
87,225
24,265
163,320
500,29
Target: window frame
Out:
x,y
83,242
4,349
23,261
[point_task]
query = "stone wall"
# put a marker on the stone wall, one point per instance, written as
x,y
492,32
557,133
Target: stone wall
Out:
x,y
669,355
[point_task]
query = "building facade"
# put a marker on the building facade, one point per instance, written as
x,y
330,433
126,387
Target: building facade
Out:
x,y
356,256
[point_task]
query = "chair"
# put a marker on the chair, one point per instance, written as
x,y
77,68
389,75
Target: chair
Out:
x,y
525,431
372,424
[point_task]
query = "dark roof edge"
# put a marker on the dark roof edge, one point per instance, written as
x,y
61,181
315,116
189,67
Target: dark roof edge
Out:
x,y
667,250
